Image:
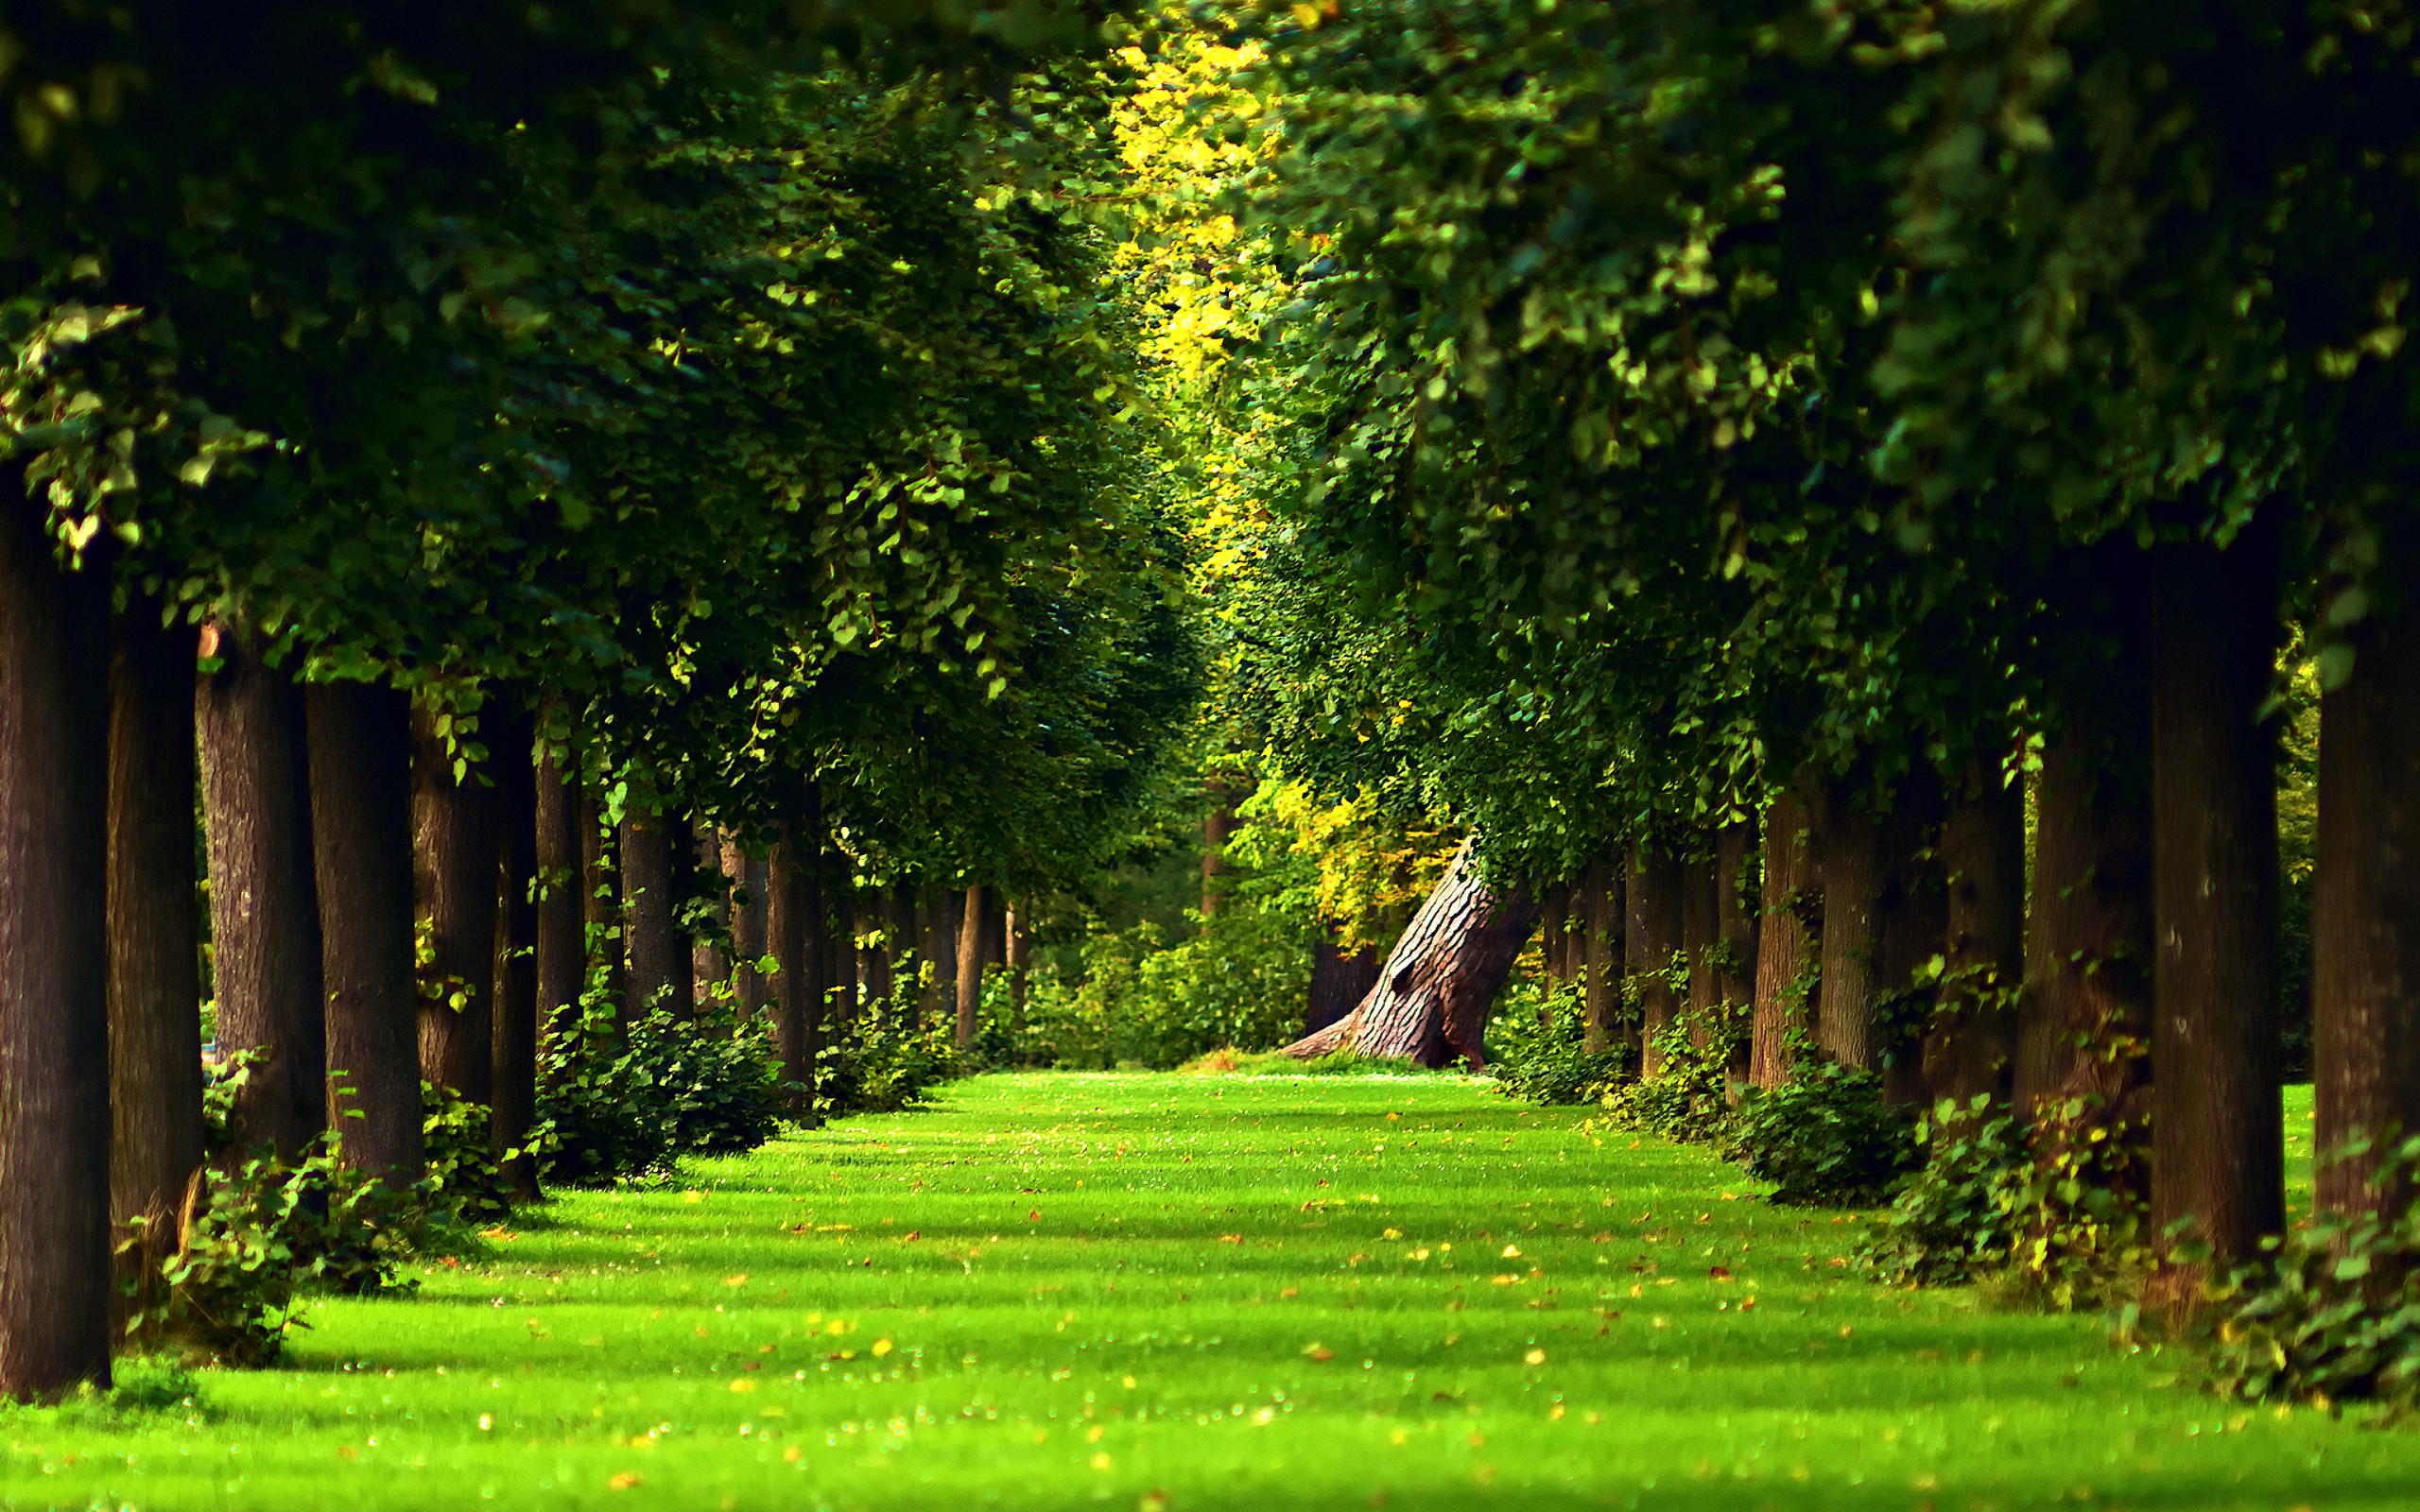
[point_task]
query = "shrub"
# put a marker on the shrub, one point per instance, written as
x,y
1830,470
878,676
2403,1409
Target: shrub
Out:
x,y
465,1175
1240,983
1538,1049
2333,1314
1826,1137
2083,1218
1959,1215
884,1060
630,1103
1689,1097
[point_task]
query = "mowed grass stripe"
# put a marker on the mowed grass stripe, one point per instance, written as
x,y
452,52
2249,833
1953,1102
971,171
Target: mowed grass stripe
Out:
x,y
1140,1291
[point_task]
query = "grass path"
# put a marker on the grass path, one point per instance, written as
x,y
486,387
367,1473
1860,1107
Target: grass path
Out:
x,y
1143,1292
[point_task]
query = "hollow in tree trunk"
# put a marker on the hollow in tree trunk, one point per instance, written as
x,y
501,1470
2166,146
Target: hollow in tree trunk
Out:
x,y
263,896
1969,1052
54,961
361,833
154,929
515,1047
1791,937
1432,1001
1601,898
1651,940
455,831
562,963
2216,1118
647,937
2365,908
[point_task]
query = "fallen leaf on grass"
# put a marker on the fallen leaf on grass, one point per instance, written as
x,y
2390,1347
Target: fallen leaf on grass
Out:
x,y
743,1386
1231,1239
734,1280
1718,1273
1534,1357
912,1234
499,1233
882,1347
1318,1351
693,1197
624,1480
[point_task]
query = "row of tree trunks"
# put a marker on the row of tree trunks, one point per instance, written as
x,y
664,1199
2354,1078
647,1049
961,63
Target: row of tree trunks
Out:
x,y
1433,996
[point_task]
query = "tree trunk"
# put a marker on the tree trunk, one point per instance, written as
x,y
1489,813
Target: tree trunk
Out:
x,y
1912,927
747,922
1602,989
514,1051
1972,1042
1651,940
995,929
361,832
899,942
2365,1006
1020,954
1735,935
795,918
840,959
1853,873
154,952
2217,1119
455,833
1339,979
1794,892
1216,828
970,965
562,954
263,896
710,965
943,918
1698,936
54,961
648,941
600,868
1555,926
1432,997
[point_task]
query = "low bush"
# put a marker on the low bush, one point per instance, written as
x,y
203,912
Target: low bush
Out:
x,y
1689,1096
465,1174
1241,982
1538,1049
883,1059
619,1103
1958,1216
1826,1137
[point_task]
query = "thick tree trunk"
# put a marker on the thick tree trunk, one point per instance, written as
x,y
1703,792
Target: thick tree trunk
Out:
x,y
264,895
1602,967
747,922
710,965
795,919
1973,1043
2217,1119
2366,1001
455,831
1912,927
1736,935
601,905
513,1050
1791,937
1697,926
361,832
1432,997
562,946
1853,874
995,929
649,939
969,978
154,928
54,961
942,918
1651,940
1339,978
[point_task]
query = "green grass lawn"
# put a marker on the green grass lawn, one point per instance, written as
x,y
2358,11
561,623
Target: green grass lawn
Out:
x,y
1152,1290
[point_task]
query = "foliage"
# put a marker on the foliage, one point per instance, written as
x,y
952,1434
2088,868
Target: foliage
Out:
x,y
1240,983
2084,1219
629,1102
883,1060
2332,1313
1826,1137
1537,1048
465,1175
1958,1216
152,1382
1689,1096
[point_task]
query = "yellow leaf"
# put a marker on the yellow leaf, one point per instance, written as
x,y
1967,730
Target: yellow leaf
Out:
x,y
743,1384
1534,1357
881,1347
624,1480
734,1280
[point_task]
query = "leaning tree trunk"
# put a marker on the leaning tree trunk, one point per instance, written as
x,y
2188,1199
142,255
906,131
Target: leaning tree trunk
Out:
x,y
1650,943
562,963
1791,937
455,830
155,971
648,936
1432,1001
1600,999
263,896
54,962
513,1049
1973,1041
2216,1118
361,832
2365,908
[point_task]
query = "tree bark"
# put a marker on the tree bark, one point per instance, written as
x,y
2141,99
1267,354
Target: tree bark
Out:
x,y
942,917
1339,978
970,965
1912,927
154,950
710,965
1555,926
562,948
795,916
2217,1119
1650,942
455,828
1735,934
649,940
1602,967
513,1050
1020,950
263,896
361,832
1792,939
1972,1042
840,960
1853,874
1698,936
747,922
54,961
1432,1001
600,906
2366,906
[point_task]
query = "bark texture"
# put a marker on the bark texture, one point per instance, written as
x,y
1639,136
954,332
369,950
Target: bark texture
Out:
x,y
562,963
1339,979
710,965
1651,940
795,917
1735,935
1555,931
456,826
1431,1000
1791,937
1972,1046
513,1049
154,926
2365,1008
361,832
54,962
649,940
1698,936
1853,874
600,906
968,976
1912,927
264,895
1600,900
2217,1120
750,905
